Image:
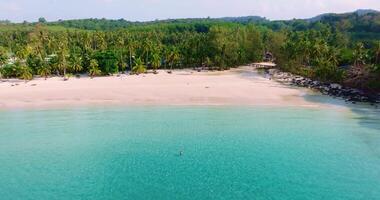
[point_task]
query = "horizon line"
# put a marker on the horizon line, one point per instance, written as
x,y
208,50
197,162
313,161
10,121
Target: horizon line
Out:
x,y
185,18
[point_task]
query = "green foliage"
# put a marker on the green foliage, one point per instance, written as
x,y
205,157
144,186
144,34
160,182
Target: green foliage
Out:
x,y
10,71
375,68
94,68
207,63
42,20
176,25
34,62
346,56
172,57
16,70
376,52
327,71
156,61
315,54
44,70
360,55
75,63
3,56
107,61
139,67
317,48
25,72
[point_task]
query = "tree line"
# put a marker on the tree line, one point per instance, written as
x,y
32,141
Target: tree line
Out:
x,y
329,55
43,51
322,52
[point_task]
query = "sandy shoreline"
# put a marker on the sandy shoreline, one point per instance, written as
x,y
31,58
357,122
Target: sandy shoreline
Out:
x,y
239,86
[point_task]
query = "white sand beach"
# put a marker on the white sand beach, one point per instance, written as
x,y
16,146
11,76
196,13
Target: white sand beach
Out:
x,y
239,86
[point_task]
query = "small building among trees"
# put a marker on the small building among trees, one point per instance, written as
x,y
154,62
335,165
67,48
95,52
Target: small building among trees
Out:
x,y
268,57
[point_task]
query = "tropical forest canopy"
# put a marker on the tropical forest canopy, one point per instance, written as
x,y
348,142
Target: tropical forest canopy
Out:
x,y
341,48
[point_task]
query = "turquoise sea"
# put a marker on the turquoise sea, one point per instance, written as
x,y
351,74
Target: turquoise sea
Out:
x,y
227,153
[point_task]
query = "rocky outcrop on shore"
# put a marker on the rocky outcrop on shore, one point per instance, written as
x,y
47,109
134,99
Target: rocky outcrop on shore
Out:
x,y
336,90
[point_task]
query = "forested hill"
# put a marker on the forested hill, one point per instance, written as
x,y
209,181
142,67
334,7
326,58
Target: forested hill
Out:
x,y
364,24
353,22
326,16
106,24
358,21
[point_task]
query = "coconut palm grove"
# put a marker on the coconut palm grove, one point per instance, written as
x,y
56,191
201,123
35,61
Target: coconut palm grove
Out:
x,y
341,48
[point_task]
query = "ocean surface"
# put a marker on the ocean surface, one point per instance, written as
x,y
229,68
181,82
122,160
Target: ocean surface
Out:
x,y
190,153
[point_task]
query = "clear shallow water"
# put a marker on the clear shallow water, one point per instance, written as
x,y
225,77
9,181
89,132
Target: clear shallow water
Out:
x,y
229,153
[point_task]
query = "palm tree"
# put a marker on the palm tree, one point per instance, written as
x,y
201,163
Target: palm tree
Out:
x,y
3,56
44,71
94,68
139,67
131,49
306,49
360,55
320,50
25,73
76,63
377,53
86,42
36,40
120,42
156,62
207,63
333,56
99,43
23,52
62,62
175,58
61,54
147,47
172,58
122,64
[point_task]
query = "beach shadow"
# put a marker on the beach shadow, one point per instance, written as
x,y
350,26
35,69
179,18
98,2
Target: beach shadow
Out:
x,y
367,115
317,97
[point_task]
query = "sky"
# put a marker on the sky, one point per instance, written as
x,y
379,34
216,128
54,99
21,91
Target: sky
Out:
x,y
146,10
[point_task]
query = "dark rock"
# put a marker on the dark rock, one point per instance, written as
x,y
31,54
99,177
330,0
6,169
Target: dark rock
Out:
x,y
331,89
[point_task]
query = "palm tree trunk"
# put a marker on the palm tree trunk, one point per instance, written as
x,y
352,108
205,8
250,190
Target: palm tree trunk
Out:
x,y
147,57
130,58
